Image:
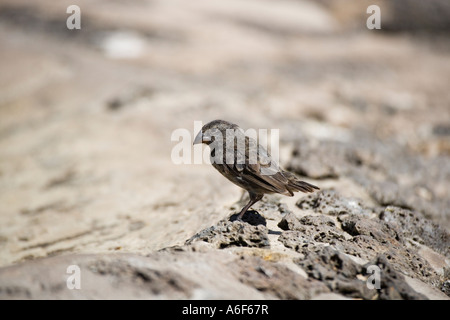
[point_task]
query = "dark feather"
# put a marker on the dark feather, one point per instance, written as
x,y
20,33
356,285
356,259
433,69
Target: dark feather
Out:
x,y
247,164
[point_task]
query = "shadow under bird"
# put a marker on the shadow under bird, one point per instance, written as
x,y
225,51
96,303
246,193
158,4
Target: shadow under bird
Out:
x,y
247,164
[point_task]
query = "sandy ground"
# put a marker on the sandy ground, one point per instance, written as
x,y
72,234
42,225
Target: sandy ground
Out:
x,y
86,116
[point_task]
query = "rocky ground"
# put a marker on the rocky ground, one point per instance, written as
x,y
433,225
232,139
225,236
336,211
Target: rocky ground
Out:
x,y
87,179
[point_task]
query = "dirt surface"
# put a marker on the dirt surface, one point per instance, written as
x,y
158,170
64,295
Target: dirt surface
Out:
x,y
86,118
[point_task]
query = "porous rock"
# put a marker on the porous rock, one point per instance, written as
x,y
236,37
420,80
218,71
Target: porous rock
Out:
x,y
226,233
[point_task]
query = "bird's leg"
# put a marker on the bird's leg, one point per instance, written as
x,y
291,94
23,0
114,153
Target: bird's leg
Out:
x,y
253,199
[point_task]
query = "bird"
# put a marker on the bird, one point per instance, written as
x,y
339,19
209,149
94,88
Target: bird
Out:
x,y
243,161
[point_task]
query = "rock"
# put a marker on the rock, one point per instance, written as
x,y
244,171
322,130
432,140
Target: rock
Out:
x,y
392,284
390,174
360,234
174,275
415,15
85,162
276,280
140,275
329,202
397,15
436,260
337,271
415,226
380,231
112,276
236,233
318,162
425,289
296,240
330,296
342,275
445,281
289,222
315,228
319,256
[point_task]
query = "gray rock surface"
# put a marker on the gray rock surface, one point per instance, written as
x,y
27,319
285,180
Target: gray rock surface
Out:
x,y
87,178
225,234
320,254
388,173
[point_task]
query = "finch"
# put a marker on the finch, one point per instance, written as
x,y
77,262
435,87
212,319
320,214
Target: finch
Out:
x,y
243,161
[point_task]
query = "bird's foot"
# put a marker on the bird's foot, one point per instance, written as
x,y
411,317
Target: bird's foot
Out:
x,y
235,217
251,217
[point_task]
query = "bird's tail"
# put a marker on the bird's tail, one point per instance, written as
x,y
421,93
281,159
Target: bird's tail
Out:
x,y
295,184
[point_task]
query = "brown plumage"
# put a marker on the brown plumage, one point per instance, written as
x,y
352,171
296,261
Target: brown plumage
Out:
x,y
247,164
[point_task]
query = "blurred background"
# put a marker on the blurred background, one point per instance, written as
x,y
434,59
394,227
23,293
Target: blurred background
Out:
x,y
86,115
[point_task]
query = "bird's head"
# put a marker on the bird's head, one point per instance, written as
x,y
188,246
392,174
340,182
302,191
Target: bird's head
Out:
x,y
212,130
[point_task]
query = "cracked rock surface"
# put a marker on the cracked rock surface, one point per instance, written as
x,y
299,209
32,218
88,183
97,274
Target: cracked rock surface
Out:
x,y
359,253
88,128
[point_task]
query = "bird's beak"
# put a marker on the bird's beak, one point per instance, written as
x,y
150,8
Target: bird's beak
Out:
x,y
199,138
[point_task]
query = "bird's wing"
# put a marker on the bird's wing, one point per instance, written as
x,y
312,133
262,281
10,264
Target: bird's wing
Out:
x,y
254,164
242,160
